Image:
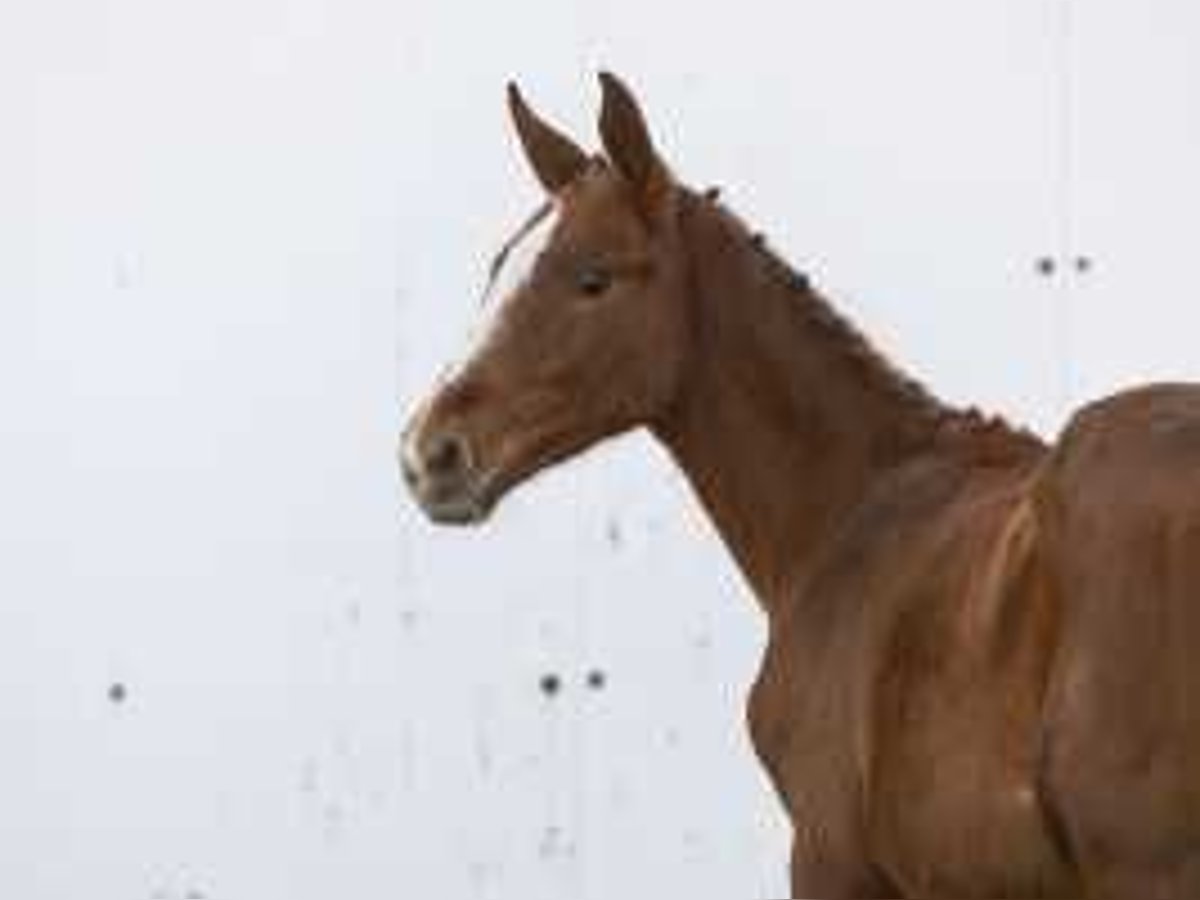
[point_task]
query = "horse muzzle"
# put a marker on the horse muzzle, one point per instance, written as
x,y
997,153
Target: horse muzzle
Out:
x,y
440,472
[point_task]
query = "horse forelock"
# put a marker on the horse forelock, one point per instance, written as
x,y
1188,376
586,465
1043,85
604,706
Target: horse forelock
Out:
x,y
508,261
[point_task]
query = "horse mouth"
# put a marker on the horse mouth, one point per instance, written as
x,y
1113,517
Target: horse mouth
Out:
x,y
463,503
461,510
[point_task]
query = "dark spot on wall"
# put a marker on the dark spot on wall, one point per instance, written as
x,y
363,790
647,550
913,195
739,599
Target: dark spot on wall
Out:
x,y
597,680
117,693
554,844
612,533
550,684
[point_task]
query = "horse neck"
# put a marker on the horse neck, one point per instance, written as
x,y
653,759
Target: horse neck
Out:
x,y
785,415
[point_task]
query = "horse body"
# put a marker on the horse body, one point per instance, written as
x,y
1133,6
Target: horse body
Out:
x,y
988,686
979,678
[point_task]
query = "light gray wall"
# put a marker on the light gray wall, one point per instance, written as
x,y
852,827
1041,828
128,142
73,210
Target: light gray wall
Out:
x,y
238,238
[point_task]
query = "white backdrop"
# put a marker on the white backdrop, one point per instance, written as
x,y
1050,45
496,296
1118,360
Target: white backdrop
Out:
x,y
238,238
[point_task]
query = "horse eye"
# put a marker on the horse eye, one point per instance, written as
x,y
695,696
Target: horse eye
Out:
x,y
593,281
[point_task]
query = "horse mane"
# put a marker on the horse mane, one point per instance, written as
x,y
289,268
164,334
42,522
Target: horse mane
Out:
x,y
994,433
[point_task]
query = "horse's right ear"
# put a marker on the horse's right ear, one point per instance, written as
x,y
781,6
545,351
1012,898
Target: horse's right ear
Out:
x,y
555,158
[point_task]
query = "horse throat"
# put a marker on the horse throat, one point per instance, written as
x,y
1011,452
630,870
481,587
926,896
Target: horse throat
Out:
x,y
785,416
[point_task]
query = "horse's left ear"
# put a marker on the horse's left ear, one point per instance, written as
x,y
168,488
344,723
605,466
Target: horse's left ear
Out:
x,y
629,147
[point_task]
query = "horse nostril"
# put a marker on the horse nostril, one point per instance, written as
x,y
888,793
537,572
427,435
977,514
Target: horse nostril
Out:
x,y
446,456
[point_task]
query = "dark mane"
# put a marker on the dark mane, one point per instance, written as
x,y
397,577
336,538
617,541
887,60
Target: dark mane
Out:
x,y
855,346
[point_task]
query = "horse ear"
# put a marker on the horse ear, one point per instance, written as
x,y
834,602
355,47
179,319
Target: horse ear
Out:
x,y
555,158
628,144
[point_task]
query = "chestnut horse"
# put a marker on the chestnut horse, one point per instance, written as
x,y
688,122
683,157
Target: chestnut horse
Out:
x,y
982,676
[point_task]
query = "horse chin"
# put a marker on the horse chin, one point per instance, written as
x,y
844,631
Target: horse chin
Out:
x,y
458,512
467,505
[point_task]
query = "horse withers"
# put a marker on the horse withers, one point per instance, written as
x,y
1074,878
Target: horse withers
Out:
x,y
981,677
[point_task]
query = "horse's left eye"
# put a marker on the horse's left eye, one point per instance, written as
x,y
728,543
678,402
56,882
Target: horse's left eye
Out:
x,y
593,280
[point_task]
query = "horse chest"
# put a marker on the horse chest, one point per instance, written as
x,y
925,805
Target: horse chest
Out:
x,y
801,738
